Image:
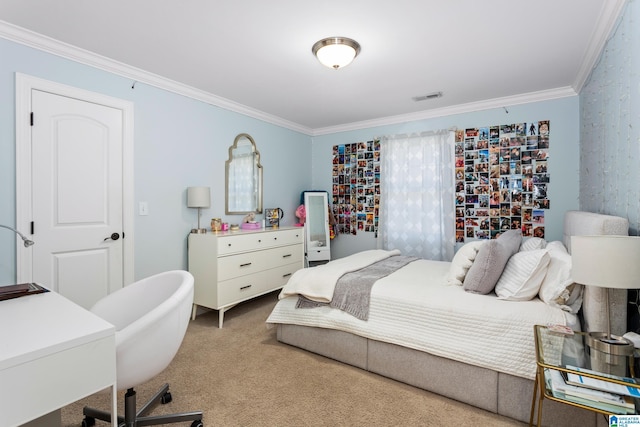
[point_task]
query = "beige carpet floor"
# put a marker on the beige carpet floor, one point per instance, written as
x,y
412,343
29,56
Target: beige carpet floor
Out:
x,y
241,375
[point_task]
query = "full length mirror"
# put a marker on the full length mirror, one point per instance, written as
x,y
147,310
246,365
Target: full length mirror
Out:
x,y
243,177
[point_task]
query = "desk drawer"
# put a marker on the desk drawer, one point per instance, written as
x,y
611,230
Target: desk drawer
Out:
x,y
235,243
252,262
245,287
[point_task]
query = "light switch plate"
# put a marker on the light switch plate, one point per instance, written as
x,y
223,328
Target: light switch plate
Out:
x,y
143,208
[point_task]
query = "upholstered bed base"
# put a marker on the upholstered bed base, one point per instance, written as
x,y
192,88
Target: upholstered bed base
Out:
x,y
486,389
493,391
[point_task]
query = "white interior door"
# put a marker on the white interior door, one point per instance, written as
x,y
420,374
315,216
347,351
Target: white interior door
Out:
x,y
77,196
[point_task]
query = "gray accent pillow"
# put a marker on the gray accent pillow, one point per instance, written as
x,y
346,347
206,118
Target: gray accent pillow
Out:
x,y
490,262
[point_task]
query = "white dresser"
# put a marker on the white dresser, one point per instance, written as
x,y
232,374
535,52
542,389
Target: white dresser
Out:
x,y
233,266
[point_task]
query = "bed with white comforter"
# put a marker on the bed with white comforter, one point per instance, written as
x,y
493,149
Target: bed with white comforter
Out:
x,y
414,307
429,332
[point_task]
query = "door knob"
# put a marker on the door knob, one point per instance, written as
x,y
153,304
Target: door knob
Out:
x,y
114,236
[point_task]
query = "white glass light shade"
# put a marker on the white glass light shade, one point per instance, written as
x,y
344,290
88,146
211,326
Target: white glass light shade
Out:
x,y
198,197
336,52
606,261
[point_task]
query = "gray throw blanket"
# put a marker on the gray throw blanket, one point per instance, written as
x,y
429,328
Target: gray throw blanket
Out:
x,y
353,290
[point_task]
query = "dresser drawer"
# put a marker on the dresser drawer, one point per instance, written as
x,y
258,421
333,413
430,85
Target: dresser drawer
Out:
x,y
291,236
257,241
242,288
252,262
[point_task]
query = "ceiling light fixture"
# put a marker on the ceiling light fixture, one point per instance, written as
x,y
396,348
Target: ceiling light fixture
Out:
x,y
336,52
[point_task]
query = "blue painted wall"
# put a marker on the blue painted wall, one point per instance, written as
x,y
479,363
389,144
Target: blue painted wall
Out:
x,y
179,142
610,126
563,153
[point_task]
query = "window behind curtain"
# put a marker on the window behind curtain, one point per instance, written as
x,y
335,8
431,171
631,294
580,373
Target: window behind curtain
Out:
x,y
417,194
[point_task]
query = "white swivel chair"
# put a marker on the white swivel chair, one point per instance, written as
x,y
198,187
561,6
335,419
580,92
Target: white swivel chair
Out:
x,y
151,318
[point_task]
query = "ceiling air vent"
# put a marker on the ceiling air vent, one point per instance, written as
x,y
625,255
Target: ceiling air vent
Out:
x,y
426,97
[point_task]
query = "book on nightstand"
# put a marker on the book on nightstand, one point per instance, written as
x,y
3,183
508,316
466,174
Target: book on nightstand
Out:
x,y
602,385
605,401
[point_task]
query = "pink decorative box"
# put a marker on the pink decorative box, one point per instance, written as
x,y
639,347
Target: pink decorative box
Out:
x,y
250,226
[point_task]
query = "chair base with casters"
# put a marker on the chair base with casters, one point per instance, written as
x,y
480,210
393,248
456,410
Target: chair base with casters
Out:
x,y
133,418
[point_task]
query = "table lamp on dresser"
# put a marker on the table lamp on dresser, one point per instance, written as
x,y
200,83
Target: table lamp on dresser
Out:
x,y
610,262
198,197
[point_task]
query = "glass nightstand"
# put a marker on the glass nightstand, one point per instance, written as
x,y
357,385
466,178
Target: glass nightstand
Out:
x,y
565,374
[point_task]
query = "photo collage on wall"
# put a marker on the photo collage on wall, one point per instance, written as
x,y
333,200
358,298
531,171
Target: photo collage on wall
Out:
x,y
356,186
501,180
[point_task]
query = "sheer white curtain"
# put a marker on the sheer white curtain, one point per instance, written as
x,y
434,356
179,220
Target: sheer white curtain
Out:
x,y
417,194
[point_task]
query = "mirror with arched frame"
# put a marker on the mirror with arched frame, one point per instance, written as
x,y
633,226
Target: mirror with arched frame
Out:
x,y
243,177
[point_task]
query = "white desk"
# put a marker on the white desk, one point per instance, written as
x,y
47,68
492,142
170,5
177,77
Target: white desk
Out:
x,y
52,353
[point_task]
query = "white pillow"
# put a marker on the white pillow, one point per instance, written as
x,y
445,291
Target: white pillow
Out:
x,y
523,275
532,243
462,260
558,288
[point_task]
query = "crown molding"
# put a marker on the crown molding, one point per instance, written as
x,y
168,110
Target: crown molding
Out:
x,y
47,44
609,19
38,41
471,107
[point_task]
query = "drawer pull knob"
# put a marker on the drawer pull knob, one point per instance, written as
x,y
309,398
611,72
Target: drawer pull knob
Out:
x,y
259,241
286,275
275,238
247,264
286,256
245,287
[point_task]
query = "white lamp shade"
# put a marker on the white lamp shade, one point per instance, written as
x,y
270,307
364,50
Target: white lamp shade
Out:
x,y
606,261
198,197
